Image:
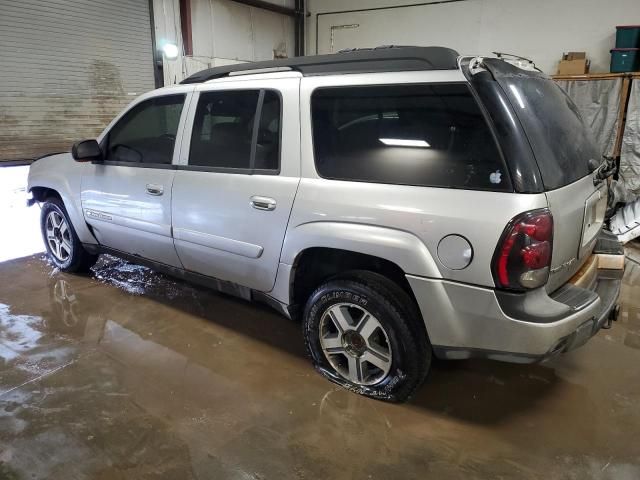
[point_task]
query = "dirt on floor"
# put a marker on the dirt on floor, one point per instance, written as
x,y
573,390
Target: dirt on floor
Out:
x,y
129,374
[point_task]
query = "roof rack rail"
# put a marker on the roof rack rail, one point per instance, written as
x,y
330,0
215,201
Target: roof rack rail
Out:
x,y
255,71
388,58
379,47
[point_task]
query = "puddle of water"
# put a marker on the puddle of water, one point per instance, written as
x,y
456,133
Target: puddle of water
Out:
x,y
18,334
193,383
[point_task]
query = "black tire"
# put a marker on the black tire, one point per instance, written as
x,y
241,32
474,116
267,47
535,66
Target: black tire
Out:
x,y
399,317
76,261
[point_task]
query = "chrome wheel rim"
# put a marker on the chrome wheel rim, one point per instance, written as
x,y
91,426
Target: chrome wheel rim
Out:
x,y
355,344
58,236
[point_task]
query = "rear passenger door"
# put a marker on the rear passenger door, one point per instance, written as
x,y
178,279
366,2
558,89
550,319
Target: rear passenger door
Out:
x,y
237,178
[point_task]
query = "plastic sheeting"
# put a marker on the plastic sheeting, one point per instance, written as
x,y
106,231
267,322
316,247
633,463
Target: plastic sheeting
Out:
x,y
599,104
630,153
626,222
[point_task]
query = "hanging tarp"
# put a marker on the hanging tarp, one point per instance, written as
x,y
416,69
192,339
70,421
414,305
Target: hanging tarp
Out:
x,y
625,224
630,151
599,104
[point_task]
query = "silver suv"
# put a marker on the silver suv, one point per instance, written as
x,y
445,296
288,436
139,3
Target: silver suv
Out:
x,y
401,202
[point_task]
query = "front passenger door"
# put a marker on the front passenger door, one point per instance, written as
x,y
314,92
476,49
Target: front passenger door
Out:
x,y
127,198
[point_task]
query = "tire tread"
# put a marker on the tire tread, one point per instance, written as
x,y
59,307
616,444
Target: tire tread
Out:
x,y
394,299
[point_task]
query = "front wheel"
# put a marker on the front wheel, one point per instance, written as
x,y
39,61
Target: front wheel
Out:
x,y
363,332
60,239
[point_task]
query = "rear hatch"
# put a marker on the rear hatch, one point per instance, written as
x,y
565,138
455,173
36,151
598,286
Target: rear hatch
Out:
x,y
565,153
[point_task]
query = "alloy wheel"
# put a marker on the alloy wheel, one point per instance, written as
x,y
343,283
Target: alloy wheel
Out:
x,y
58,236
355,344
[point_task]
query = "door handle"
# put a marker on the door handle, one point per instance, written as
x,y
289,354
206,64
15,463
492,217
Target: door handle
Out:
x,y
153,189
263,203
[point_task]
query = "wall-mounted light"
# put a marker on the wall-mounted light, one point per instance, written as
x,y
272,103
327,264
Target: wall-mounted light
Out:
x,y
400,142
170,51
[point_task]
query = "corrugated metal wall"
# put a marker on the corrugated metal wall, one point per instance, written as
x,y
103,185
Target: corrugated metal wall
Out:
x,y
67,67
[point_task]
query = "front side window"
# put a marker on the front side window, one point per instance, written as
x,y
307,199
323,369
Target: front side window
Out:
x,y
146,133
226,134
427,135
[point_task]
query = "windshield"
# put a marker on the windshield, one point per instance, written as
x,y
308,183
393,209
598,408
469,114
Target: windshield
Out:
x,y
560,140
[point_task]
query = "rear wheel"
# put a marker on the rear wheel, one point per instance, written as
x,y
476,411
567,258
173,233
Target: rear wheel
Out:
x,y
60,239
362,332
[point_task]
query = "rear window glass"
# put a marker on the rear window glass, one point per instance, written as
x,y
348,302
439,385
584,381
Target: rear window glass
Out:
x,y
428,135
561,142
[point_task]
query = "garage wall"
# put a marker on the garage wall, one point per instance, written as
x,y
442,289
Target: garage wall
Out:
x,y
540,30
66,68
223,32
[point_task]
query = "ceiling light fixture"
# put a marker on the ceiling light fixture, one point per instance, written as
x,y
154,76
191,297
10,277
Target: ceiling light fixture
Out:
x,y
399,142
170,51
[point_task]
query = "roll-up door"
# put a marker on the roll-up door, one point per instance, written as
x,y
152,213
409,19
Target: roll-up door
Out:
x,y
67,67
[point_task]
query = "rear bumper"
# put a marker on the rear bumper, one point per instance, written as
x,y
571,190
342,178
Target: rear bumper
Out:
x,y
608,291
465,321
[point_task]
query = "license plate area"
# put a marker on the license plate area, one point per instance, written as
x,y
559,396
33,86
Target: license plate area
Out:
x,y
594,211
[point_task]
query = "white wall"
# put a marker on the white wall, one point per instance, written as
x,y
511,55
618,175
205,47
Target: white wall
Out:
x,y
223,32
541,30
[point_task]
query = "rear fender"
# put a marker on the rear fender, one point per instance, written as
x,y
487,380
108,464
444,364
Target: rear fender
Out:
x,y
397,246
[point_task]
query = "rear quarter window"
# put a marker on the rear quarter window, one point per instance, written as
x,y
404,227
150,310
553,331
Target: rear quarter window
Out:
x,y
427,135
561,142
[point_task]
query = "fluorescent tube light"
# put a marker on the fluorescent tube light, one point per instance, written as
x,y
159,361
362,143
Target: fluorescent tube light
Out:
x,y
399,142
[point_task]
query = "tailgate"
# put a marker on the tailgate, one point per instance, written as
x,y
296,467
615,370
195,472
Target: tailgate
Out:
x,y
578,215
565,152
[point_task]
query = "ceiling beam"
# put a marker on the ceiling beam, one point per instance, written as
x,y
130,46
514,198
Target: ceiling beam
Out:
x,y
291,12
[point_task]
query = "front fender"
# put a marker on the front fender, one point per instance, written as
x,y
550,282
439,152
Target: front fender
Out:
x,y
64,175
397,246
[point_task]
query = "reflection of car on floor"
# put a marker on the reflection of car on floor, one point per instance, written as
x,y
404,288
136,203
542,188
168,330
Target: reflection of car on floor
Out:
x,y
65,303
402,202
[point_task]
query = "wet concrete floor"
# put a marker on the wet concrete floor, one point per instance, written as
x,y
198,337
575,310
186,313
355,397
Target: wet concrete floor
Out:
x,y
129,374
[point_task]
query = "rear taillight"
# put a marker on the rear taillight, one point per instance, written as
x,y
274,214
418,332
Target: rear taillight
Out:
x,y
523,256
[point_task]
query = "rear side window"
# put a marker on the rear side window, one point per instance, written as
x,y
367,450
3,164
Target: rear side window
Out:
x,y
147,132
237,129
268,139
223,129
428,135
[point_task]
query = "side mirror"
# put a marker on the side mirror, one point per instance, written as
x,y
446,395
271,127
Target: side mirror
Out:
x,y
86,151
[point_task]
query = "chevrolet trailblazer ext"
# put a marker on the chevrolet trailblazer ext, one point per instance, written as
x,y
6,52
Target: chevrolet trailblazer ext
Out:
x,y
403,202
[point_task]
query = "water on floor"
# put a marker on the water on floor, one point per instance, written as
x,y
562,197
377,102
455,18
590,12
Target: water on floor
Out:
x,y
129,374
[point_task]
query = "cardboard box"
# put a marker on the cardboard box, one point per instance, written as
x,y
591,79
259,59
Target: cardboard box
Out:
x,y
573,67
574,56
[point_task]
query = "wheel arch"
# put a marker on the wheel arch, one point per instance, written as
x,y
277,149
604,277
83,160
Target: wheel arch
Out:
x,y
315,265
60,176
40,194
399,247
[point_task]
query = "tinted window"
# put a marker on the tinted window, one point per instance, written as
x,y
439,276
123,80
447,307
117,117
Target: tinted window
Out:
x,y
147,132
223,129
561,142
268,140
432,135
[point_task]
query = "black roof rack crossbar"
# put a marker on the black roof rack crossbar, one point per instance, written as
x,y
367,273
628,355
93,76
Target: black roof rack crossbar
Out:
x,y
385,59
